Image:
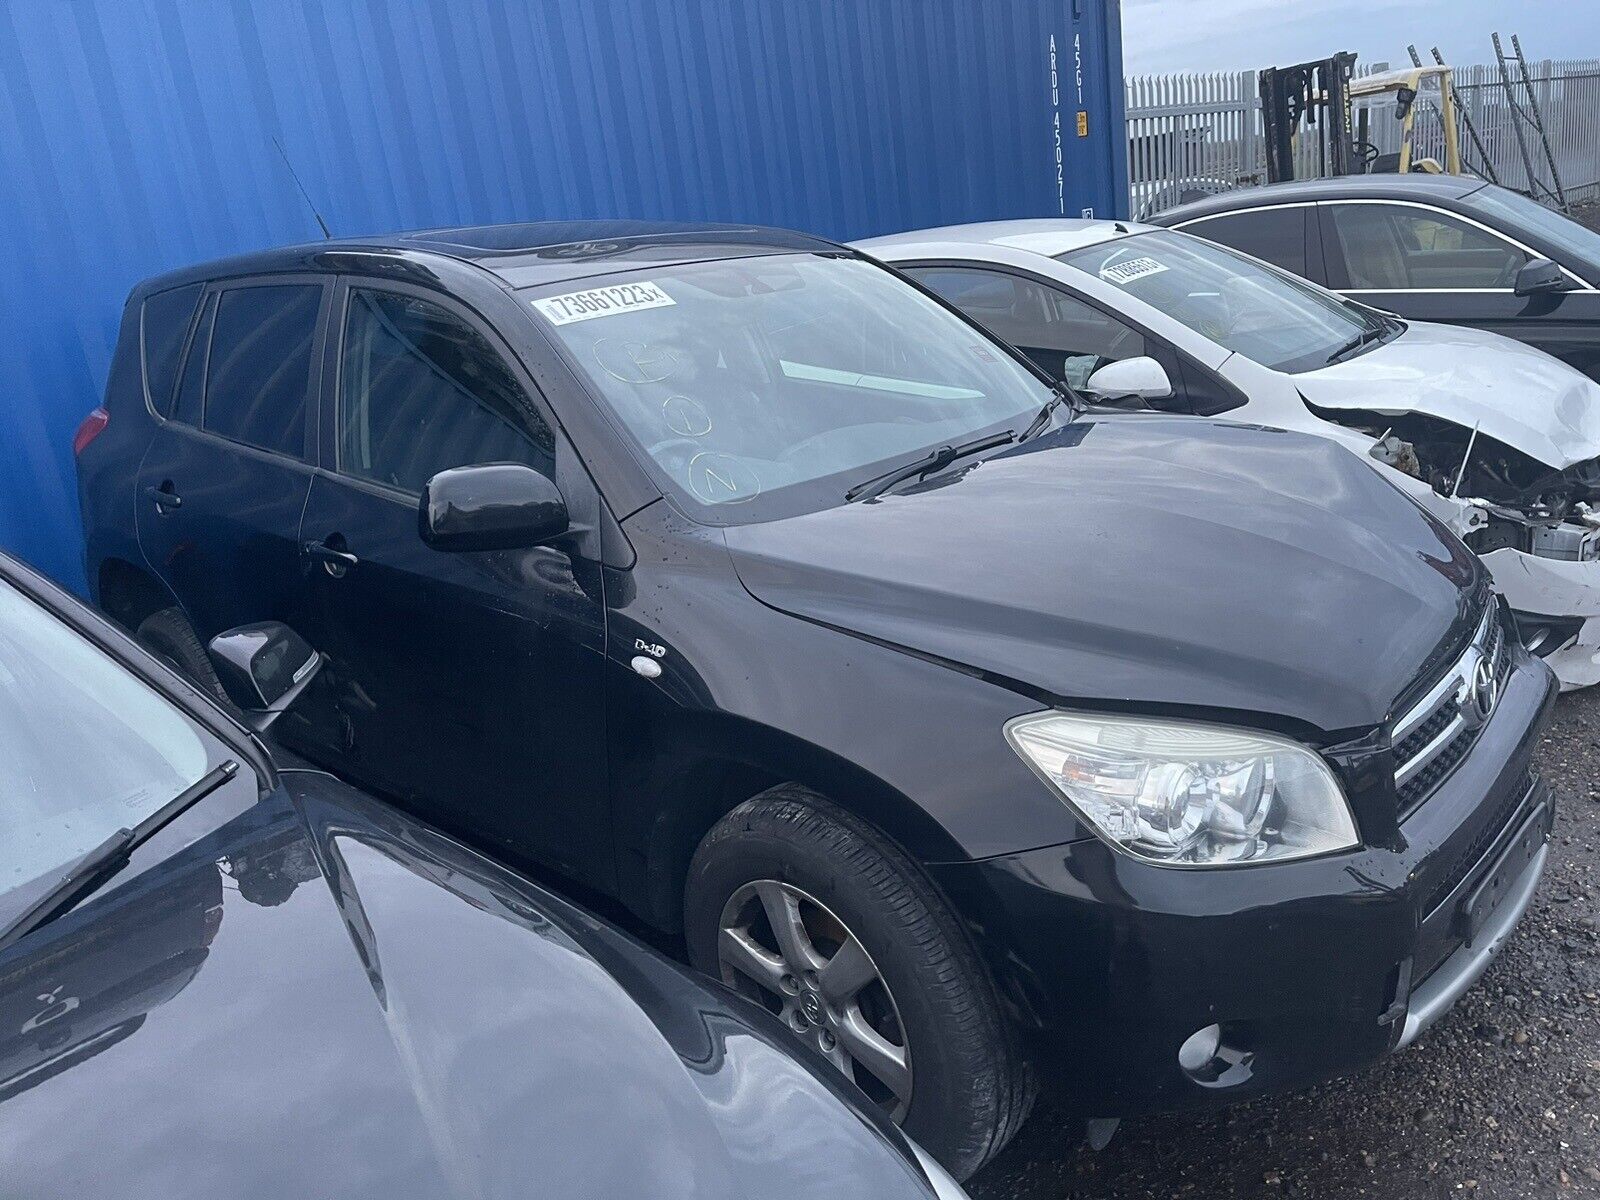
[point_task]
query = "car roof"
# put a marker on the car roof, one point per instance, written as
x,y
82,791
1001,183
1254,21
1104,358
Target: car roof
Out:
x,y
523,254
1410,186
1047,236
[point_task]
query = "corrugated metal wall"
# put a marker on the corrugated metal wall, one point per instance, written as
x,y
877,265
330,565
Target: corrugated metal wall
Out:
x,y
136,135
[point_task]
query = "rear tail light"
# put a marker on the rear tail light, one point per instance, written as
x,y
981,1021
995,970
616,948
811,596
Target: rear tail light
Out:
x,y
90,429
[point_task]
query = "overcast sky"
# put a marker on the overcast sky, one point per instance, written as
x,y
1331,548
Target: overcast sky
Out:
x,y
1233,35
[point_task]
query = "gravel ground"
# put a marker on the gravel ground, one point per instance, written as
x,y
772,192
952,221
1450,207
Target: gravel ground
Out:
x,y
1497,1100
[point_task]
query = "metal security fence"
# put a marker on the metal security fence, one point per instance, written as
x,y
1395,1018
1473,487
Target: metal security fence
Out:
x,y
1568,95
1191,135
1197,134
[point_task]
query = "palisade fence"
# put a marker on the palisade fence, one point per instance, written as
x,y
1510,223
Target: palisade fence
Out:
x,y
1196,134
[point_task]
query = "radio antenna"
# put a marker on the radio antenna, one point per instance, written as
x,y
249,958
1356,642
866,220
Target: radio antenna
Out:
x,y
323,225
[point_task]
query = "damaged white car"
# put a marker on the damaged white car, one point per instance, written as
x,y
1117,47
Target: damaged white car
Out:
x,y
1500,441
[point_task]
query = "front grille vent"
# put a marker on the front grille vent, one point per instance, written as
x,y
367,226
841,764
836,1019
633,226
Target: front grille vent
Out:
x,y
1436,732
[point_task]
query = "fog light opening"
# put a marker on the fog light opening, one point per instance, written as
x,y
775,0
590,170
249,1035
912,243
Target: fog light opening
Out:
x,y
1216,1057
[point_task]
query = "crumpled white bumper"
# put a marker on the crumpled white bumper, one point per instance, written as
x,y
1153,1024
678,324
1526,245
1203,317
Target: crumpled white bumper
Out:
x,y
1553,587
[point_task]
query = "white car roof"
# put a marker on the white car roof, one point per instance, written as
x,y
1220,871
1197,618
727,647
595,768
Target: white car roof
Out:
x,y
1048,236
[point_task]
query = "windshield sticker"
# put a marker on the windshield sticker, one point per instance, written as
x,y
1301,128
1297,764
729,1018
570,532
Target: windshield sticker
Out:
x,y
1124,273
601,302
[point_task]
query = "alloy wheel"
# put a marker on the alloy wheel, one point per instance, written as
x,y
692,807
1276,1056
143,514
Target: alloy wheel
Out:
x,y
781,946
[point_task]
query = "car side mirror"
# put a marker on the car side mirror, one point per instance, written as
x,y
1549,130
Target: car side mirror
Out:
x,y
263,667
1539,275
497,506
1141,377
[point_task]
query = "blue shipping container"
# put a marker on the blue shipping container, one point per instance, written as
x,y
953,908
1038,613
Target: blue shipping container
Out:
x,y
138,135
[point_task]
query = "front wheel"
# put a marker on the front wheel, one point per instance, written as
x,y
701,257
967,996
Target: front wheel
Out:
x,y
812,912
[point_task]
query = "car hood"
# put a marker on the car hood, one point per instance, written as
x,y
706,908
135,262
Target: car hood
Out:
x,y
1516,394
1142,560
364,1009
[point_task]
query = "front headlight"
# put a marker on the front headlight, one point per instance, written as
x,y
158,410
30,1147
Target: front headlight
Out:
x,y
1188,795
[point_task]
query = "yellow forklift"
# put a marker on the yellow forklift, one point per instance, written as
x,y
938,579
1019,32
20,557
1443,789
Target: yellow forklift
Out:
x,y
1320,119
1394,95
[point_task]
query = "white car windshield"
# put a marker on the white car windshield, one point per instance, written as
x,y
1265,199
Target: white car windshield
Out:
x,y
772,383
1280,322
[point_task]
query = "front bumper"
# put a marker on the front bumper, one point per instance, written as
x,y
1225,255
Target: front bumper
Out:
x,y
1538,588
1307,970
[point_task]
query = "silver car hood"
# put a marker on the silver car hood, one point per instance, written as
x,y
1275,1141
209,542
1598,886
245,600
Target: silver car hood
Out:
x,y
1515,394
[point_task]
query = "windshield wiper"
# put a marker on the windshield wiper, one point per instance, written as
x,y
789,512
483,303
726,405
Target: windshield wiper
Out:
x,y
934,460
1061,393
110,856
1360,340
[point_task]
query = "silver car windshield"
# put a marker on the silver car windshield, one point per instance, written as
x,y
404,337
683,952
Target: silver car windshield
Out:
x,y
86,748
1276,320
791,375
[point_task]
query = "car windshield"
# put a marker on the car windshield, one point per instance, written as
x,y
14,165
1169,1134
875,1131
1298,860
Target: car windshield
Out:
x,y
1516,214
1279,321
768,384
86,748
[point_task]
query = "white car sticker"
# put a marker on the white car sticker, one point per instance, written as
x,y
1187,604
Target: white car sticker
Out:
x,y
601,302
1124,273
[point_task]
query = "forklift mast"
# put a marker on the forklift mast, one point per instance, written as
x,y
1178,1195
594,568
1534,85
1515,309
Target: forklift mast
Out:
x,y
1316,94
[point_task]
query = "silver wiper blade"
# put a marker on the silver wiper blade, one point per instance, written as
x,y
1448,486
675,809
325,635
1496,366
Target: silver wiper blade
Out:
x,y
110,856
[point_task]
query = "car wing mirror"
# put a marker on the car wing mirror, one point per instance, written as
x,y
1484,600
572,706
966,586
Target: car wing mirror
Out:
x,y
496,506
263,667
1142,378
1539,275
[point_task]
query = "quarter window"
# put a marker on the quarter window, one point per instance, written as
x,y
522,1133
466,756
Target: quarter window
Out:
x,y
191,388
1387,247
164,324
1065,337
423,391
1274,235
259,370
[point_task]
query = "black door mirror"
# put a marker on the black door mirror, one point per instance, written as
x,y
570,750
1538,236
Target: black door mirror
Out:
x,y
1539,275
263,668
498,506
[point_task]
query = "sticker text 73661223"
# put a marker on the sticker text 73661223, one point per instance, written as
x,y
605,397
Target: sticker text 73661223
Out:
x,y
601,302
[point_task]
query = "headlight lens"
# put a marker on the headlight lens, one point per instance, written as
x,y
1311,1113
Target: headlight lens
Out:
x,y
1188,795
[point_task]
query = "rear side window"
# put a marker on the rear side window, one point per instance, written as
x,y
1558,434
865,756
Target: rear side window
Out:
x,y
1274,235
259,369
422,391
164,323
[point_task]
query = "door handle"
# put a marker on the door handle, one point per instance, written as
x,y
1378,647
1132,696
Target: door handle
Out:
x,y
164,497
334,561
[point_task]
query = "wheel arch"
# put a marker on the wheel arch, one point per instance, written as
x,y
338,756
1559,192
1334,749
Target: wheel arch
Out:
x,y
716,763
128,593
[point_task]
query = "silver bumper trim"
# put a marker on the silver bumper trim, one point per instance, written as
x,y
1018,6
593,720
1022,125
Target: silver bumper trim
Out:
x,y
1461,970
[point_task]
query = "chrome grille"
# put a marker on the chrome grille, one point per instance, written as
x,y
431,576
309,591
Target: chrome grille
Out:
x,y
1436,732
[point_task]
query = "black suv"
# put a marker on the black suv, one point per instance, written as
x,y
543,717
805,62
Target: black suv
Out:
x,y
727,572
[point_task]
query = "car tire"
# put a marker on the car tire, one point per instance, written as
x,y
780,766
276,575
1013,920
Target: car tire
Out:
x,y
970,1088
167,634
